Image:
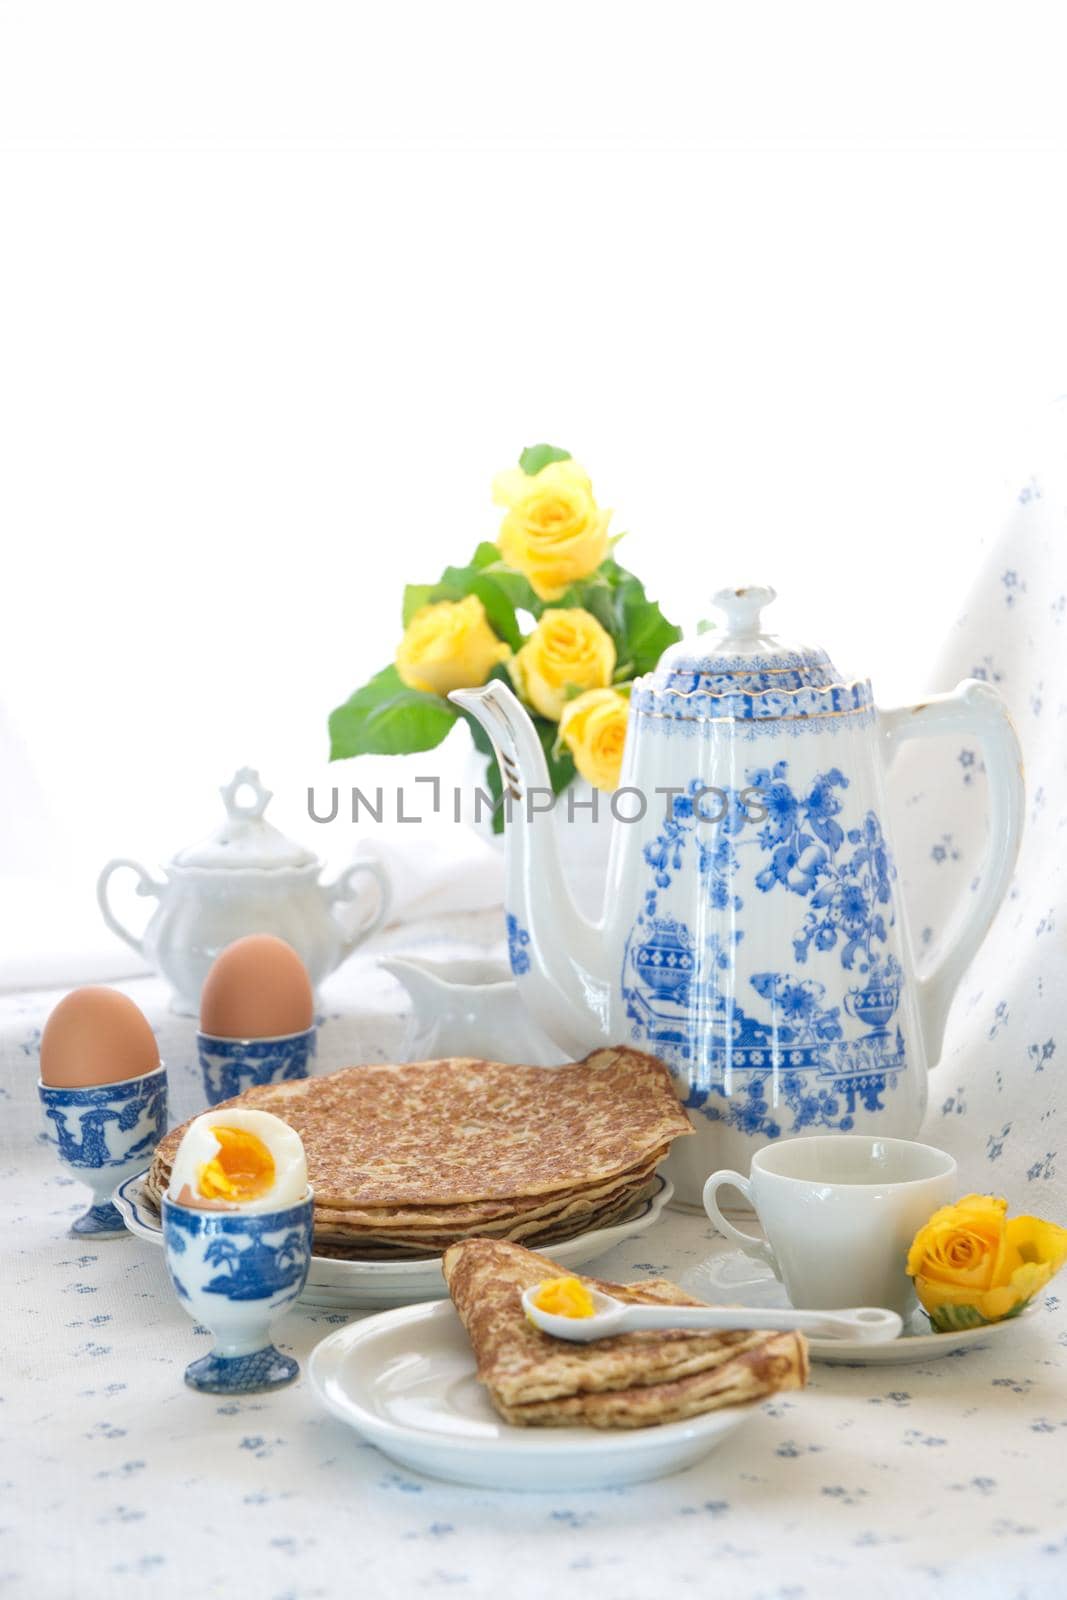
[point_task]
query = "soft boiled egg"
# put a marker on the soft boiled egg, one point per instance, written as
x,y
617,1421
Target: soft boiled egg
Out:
x,y
257,988
237,1160
96,1036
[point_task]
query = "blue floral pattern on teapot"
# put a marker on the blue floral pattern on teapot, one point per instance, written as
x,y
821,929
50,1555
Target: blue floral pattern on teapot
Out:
x,y
783,1064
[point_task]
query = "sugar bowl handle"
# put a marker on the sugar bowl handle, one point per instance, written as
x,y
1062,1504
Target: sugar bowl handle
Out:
x,y
146,886
976,710
343,890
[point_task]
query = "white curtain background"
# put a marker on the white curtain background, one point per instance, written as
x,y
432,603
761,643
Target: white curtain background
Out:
x,y
280,291
996,1099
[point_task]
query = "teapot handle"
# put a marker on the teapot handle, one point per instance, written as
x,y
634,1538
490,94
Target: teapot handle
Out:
x,y
342,889
146,886
973,708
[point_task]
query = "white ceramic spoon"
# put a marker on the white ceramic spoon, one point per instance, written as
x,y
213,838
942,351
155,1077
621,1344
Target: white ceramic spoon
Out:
x,y
867,1324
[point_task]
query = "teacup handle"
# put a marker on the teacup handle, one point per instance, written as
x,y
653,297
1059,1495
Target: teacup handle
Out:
x,y
343,889
758,1249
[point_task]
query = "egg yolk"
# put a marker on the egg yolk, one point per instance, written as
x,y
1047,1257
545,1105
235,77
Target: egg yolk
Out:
x,y
243,1168
564,1297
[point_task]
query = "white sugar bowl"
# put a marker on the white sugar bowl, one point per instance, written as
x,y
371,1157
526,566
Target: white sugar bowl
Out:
x,y
245,878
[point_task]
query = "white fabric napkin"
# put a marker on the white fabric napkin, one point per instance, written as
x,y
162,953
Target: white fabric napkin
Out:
x,y
435,868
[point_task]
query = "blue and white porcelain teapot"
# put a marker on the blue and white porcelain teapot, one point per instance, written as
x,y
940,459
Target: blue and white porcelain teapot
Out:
x,y
752,935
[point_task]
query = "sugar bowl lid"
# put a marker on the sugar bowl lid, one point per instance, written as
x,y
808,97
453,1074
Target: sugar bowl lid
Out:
x,y
245,840
740,672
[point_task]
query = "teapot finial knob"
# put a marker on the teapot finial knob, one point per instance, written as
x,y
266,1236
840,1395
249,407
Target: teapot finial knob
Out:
x,y
742,607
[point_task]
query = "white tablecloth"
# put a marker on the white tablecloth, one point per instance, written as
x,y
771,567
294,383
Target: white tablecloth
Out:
x,y
116,1480
945,1479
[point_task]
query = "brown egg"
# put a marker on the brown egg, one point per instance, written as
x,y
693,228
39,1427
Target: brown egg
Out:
x,y
96,1036
257,988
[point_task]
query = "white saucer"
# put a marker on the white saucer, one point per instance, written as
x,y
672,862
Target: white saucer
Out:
x,y
732,1278
359,1285
406,1381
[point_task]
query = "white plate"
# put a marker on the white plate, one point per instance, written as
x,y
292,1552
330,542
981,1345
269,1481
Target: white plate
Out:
x,y
358,1285
406,1381
732,1278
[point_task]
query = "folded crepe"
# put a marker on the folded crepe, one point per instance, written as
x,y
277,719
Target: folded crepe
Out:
x,y
631,1380
406,1159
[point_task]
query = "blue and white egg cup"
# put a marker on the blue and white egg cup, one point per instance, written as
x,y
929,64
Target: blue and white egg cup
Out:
x,y
230,1066
105,1134
236,1273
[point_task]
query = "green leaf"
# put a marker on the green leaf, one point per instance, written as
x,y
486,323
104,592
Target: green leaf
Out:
x,y
492,588
486,564
485,555
498,607
597,596
954,1319
517,588
416,595
645,630
386,718
560,761
538,456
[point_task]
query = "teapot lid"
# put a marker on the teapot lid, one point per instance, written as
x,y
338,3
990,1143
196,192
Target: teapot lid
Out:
x,y
742,673
246,839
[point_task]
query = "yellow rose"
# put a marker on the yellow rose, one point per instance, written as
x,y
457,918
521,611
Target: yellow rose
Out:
x,y
972,1263
449,645
593,727
567,650
554,531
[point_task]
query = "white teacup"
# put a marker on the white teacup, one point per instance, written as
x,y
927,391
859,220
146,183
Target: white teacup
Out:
x,y
839,1213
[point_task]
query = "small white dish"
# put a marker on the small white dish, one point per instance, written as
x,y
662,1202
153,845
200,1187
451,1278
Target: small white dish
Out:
x,y
731,1278
371,1285
405,1380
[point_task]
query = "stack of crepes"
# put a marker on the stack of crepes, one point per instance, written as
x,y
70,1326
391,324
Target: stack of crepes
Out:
x,y
632,1380
405,1160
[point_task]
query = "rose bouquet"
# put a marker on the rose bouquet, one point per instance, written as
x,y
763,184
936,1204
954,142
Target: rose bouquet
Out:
x,y
547,608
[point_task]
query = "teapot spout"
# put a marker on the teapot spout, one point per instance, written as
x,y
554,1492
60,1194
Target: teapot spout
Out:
x,y
556,955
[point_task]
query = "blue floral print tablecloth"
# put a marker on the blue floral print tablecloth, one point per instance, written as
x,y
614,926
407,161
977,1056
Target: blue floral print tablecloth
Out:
x,y
944,1479
116,1480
